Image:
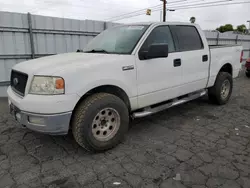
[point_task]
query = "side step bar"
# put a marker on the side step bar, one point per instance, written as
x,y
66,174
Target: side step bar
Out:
x,y
148,111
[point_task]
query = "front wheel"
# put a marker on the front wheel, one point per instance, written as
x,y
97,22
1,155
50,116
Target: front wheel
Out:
x,y
221,92
100,122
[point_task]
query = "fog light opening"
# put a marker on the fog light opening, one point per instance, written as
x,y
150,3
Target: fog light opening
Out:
x,y
36,120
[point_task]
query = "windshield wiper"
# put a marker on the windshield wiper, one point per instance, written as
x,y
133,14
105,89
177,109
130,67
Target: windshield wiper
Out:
x,y
97,51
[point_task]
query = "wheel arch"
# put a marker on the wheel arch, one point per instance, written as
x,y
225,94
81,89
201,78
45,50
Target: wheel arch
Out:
x,y
227,67
111,89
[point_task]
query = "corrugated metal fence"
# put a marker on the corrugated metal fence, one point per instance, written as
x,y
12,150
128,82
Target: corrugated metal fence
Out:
x,y
26,36
216,38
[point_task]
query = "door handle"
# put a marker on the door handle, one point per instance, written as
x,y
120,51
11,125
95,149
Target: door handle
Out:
x,y
177,62
204,58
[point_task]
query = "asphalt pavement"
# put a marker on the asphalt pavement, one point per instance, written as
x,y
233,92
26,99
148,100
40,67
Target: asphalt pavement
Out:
x,y
198,145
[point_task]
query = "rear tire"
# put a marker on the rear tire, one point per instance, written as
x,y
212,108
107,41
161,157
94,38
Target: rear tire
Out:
x,y
221,92
100,122
248,74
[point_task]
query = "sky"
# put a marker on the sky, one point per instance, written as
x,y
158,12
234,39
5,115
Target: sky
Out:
x,y
208,18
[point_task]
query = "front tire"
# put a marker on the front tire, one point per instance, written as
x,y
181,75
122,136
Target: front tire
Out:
x,y
100,122
221,92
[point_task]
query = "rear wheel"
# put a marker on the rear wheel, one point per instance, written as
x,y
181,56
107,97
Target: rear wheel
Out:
x,y
100,122
221,92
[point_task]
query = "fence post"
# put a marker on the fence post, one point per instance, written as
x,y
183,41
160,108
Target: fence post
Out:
x,y
31,36
104,26
236,40
217,38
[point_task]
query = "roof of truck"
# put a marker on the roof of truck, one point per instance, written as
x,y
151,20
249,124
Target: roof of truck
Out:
x,y
171,23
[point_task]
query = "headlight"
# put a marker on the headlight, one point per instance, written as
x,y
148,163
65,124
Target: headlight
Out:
x,y
46,85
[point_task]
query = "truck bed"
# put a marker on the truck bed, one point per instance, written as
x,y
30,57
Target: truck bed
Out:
x,y
222,54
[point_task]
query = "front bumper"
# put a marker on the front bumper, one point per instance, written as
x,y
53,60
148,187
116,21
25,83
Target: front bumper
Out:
x,y
54,124
46,114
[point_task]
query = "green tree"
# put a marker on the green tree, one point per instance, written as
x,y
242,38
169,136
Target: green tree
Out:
x,y
225,28
192,19
241,28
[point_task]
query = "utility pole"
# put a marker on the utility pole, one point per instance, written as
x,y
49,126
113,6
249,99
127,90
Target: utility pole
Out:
x,y
164,10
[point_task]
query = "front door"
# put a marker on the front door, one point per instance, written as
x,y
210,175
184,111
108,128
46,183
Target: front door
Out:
x,y
158,79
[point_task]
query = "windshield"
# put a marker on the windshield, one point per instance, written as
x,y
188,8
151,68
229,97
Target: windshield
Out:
x,y
117,40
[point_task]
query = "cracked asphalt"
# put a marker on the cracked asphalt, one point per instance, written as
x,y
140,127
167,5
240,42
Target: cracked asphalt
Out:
x,y
198,145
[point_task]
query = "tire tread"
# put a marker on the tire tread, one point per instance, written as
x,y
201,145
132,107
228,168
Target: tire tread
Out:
x,y
79,121
214,92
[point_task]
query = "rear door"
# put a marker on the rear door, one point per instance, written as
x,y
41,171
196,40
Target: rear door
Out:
x,y
158,79
194,56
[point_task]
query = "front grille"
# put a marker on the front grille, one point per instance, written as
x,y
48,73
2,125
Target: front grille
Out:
x,y
18,81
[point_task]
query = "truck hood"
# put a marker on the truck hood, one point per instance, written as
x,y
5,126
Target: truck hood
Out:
x,y
52,64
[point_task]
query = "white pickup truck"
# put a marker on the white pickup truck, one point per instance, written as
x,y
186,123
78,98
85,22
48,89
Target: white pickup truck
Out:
x,y
127,71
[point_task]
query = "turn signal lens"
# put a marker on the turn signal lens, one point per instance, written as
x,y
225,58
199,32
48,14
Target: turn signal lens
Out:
x,y
59,83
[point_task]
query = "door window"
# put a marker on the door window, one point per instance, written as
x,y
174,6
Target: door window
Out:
x,y
159,35
187,38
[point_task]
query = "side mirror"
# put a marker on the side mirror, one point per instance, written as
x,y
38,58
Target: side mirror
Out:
x,y
155,51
